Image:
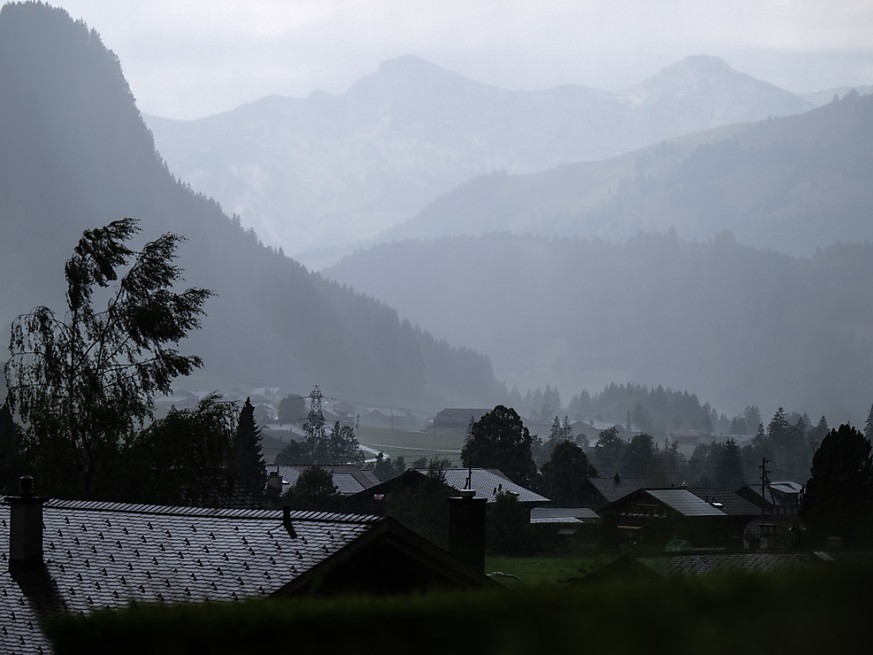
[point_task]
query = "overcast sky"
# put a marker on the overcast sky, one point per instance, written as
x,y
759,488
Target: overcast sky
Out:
x,y
191,58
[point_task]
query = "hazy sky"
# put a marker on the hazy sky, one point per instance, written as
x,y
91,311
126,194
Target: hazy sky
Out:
x,y
190,58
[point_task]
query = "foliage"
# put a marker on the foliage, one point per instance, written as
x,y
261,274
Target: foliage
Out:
x,y
314,490
251,468
295,452
12,460
291,408
499,439
339,447
422,506
508,530
184,458
806,612
84,383
655,410
609,451
564,473
639,456
730,475
385,468
838,498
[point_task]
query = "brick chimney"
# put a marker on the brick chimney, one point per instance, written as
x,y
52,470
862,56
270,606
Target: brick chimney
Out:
x,y
467,529
25,525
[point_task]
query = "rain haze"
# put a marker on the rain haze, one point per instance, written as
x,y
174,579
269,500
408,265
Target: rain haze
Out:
x,y
188,59
432,298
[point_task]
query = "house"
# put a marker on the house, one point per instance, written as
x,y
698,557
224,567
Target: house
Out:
x,y
740,512
598,492
485,483
415,486
657,516
68,556
348,478
779,499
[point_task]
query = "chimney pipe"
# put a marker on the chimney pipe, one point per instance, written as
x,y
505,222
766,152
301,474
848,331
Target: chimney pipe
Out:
x,y
25,525
467,529
286,521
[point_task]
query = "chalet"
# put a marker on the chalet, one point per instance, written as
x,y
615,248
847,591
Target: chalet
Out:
x,y
67,556
740,512
485,483
656,516
598,492
779,499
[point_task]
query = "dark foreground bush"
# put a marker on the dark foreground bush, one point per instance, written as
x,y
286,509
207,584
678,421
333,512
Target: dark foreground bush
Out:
x,y
826,610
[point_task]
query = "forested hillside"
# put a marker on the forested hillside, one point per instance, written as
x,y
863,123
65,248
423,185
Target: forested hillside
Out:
x,y
790,184
738,325
75,154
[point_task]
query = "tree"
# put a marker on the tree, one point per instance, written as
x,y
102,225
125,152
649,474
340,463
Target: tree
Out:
x,y
251,469
564,473
83,383
12,462
385,468
868,425
499,439
291,408
184,458
314,490
609,450
838,497
343,446
730,467
639,456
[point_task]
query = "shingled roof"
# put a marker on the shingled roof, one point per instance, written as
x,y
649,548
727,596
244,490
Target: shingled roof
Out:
x,y
627,566
349,479
110,555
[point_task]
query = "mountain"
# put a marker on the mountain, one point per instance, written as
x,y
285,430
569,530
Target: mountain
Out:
x,y
739,325
321,175
75,154
791,184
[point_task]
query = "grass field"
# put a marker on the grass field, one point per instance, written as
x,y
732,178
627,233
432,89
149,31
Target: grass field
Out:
x,y
412,444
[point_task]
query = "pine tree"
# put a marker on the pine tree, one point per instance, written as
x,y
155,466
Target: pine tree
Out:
x,y
251,469
868,426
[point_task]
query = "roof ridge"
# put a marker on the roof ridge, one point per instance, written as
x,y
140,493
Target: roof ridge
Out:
x,y
222,512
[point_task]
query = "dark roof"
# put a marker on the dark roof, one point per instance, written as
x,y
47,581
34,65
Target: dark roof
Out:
x,y
612,490
778,494
748,562
730,503
684,502
348,478
488,483
629,567
571,515
109,555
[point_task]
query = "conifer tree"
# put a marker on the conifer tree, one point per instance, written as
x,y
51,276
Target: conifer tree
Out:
x,y
251,469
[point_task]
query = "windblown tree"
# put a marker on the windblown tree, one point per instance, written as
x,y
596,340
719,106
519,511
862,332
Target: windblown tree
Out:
x,y
83,383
